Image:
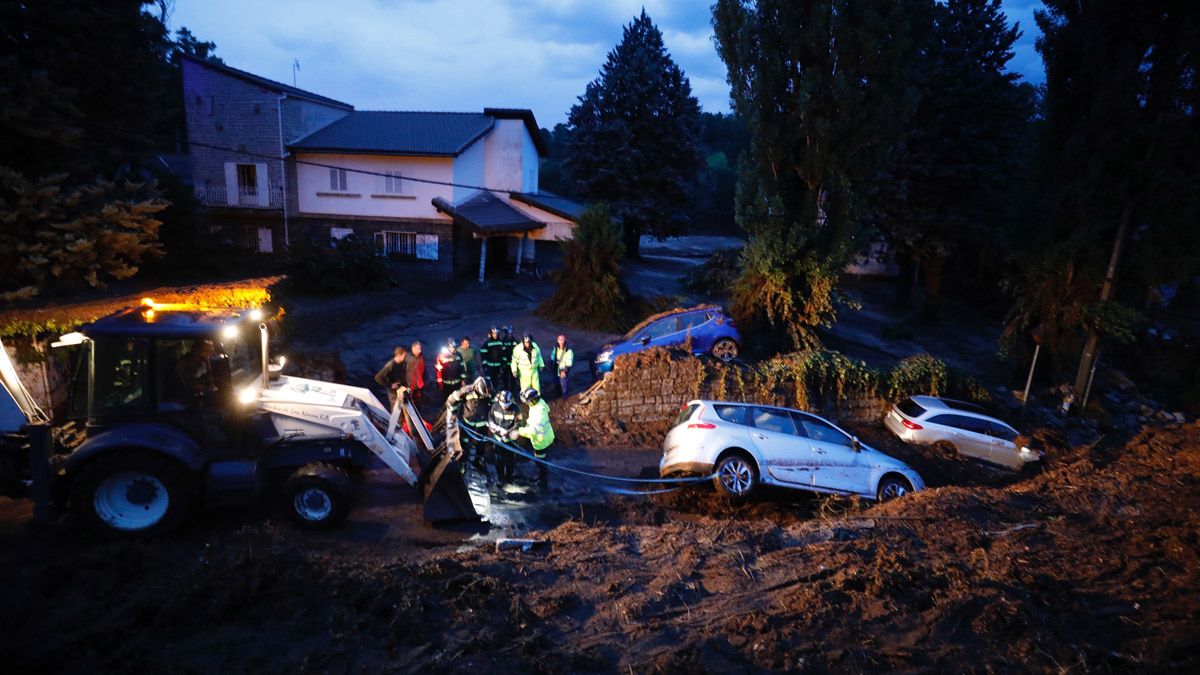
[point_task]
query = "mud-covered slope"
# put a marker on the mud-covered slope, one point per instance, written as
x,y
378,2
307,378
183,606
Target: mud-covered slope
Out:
x,y
1091,564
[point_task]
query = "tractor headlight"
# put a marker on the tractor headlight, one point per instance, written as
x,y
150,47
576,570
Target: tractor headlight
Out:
x,y
248,395
256,315
229,332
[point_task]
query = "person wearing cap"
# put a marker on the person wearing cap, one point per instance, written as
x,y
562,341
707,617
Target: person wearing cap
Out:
x,y
527,364
491,355
562,357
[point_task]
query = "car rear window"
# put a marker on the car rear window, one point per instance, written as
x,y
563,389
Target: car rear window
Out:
x,y
684,414
910,407
731,413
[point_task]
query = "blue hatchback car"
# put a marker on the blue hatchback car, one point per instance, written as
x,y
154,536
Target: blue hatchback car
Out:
x,y
711,330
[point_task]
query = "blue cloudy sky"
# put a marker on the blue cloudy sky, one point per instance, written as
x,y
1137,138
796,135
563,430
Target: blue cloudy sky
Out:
x,y
468,54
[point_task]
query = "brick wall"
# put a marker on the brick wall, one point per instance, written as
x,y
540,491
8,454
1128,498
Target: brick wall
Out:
x,y
646,390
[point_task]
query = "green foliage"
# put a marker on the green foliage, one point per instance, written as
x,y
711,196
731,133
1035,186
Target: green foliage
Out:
x,y
716,276
825,89
589,293
70,237
633,135
347,265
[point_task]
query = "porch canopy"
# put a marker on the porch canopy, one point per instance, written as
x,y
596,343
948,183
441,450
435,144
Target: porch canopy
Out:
x,y
487,215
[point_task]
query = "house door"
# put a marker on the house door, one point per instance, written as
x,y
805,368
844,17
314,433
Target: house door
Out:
x,y
265,243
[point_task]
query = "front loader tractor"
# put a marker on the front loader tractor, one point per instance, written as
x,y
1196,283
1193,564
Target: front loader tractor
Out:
x,y
174,408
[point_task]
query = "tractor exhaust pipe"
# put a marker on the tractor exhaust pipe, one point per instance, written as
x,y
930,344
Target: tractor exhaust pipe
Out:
x,y
266,376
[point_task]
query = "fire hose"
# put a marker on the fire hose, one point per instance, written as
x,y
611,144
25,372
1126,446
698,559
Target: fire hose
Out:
x,y
676,483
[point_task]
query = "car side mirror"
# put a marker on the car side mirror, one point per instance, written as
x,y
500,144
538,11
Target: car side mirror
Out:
x,y
856,444
645,339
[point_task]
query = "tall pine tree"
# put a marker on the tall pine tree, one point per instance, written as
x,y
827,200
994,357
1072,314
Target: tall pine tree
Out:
x,y
946,193
825,89
633,136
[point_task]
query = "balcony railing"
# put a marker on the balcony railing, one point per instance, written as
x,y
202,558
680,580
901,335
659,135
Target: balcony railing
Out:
x,y
245,197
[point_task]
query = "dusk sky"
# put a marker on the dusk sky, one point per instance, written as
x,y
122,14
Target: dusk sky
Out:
x,y
463,55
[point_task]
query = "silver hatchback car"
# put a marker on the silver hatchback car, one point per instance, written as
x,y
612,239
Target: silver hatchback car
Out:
x,y
744,445
959,427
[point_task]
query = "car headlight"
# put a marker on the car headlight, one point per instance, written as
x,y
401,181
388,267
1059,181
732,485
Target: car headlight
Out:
x,y
604,356
248,395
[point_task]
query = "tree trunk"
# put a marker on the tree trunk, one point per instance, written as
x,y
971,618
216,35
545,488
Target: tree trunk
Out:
x,y
932,266
906,279
1093,338
632,235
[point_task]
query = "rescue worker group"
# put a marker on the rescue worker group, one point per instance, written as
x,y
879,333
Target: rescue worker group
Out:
x,y
495,390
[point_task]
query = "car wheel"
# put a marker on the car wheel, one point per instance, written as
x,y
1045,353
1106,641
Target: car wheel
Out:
x,y
892,487
133,493
725,349
736,476
945,448
317,496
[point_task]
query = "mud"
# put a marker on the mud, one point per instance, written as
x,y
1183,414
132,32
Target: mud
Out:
x,y
1091,564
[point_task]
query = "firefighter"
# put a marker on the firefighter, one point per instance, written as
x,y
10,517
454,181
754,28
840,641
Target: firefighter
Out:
x,y
507,344
527,364
504,417
491,354
536,434
562,357
449,368
469,404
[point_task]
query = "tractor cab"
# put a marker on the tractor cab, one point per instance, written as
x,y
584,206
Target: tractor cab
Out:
x,y
181,366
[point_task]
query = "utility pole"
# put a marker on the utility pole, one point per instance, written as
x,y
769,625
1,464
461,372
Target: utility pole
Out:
x,y
1093,340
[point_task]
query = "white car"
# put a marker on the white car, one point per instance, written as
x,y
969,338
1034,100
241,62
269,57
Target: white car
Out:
x,y
957,427
744,445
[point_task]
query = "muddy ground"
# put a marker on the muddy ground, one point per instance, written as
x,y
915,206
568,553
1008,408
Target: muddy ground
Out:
x,y
1091,564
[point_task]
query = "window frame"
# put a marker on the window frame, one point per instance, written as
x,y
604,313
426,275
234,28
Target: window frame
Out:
x,y
339,180
776,411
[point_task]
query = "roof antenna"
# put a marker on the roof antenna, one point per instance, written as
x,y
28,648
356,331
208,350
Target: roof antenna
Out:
x,y
295,69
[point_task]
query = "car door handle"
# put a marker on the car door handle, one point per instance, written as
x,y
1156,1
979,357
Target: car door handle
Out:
x,y
819,452
760,437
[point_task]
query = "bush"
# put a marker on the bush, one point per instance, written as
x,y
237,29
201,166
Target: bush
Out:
x,y
716,275
350,264
589,293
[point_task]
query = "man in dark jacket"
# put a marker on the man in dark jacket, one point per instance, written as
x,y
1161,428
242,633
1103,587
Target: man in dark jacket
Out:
x,y
449,368
393,375
491,354
507,343
505,416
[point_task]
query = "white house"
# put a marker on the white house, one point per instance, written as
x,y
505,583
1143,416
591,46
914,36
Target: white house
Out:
x,y
442,193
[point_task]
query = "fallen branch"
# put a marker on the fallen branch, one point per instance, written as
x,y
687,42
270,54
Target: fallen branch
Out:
x,y
1001,533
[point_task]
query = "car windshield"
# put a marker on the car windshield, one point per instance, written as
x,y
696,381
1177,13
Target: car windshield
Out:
x,y
998,430
910,407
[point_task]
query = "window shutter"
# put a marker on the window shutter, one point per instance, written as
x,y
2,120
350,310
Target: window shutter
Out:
x,y
231,184
264,185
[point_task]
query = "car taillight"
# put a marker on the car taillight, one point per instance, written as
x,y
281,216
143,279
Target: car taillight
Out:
x,y
911,425
701,425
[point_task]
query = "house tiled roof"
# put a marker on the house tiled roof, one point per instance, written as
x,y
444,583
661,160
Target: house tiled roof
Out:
x,y
551,203
485,213
265,83
441,134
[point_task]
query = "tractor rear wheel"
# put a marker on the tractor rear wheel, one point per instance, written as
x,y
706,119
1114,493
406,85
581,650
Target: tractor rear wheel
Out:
x,y
317,496
133,493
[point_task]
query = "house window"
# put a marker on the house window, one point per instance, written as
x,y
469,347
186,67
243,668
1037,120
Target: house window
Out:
x,y
397,243
392,183
408,245
247,183
337,234
337,180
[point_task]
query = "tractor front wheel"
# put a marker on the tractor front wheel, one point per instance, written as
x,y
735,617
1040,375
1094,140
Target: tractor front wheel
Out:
x,y
318,496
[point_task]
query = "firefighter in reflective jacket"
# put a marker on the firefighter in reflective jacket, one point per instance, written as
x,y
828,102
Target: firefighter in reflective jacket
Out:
x,y
449,368
504,417
470,405
535,434
491,354
527,364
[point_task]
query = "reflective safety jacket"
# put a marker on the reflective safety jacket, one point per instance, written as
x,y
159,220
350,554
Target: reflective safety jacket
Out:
x,y
491,353
449,368
527,361
537,428
503,418
562,358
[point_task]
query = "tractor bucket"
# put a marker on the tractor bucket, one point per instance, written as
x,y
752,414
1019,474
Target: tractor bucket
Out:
x,y
445,491
446,495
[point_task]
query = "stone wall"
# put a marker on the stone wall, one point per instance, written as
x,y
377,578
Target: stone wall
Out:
x,y
646,390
